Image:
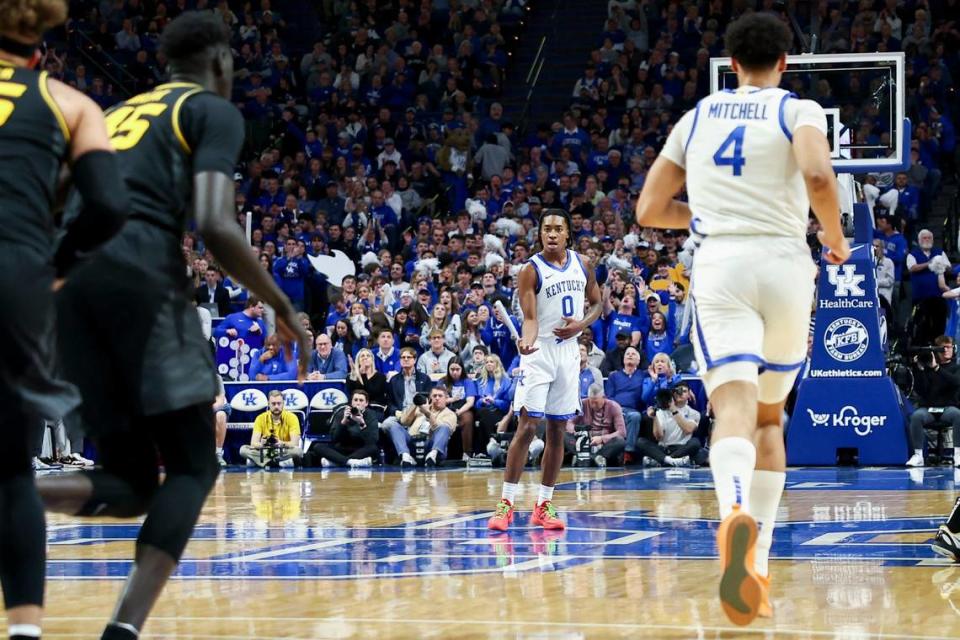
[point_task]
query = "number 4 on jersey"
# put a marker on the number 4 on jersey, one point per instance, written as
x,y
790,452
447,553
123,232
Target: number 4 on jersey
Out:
x,y
736,160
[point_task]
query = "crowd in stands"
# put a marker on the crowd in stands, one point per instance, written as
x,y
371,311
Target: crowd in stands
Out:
x,y
381,137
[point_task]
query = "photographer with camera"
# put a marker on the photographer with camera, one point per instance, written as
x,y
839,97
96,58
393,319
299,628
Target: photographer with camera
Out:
x,y
674,422
937,387
602,419
428,418
276,436
353,437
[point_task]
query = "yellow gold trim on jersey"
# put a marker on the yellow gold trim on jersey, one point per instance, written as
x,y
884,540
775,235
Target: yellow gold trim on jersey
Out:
x,y
54,107
177,85
175,116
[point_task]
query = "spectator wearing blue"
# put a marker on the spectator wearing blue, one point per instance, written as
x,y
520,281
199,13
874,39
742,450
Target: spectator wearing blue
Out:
x,y
461,396
495,391
386,358
291,272
246,325
661,376
573,138
273,362
625,387
589,375
623,319
930,309
662,334
908,200
496,335
327,363
895,245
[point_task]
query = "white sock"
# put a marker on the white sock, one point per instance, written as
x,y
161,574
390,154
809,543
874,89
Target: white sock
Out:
x,y
918,452
732,461
28,630
545,495
956,455
219,451
509,492
765,492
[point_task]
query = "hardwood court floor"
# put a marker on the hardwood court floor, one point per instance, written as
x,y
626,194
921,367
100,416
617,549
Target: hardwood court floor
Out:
x,y
380,555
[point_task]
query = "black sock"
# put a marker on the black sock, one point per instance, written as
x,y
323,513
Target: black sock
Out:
x,y
953,522
19,637
115,632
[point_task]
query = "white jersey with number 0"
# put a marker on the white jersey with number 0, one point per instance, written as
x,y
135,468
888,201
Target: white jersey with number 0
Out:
x,y
560,293
742,177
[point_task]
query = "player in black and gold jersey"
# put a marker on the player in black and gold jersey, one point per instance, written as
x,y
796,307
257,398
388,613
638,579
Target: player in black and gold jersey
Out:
x,y
43,124
130,336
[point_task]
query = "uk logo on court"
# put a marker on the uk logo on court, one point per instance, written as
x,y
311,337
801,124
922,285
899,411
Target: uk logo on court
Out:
x,y
846,339
846,284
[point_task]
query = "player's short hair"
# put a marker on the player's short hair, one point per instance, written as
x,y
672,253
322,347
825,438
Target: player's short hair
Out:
x,y
757,40
252,301
192,34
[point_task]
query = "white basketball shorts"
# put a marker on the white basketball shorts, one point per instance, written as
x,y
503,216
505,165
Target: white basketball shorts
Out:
x,y
548,384
752,300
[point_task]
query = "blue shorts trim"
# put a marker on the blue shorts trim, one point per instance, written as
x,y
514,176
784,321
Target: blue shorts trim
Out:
x,y
533,414
783,368
564,416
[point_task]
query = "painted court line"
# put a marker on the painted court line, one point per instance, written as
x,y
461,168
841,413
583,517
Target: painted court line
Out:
x,y
460,622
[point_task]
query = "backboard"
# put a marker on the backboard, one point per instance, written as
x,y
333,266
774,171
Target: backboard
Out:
x,y
863,97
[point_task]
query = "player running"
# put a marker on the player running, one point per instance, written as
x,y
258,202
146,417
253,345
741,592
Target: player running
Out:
x,y
755,160
43,124
131,339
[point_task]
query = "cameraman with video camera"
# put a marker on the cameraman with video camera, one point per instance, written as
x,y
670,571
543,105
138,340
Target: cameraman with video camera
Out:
x,y
276,436
428,418
937,388
353,437
674,422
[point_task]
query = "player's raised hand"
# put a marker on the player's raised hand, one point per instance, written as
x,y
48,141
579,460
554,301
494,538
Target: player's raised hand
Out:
x,y
837,249
570,329
526,348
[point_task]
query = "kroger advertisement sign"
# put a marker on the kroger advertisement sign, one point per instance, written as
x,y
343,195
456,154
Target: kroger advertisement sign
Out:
x,y
847,401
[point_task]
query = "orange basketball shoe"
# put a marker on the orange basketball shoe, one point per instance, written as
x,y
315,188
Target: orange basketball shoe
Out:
x,y
766,607
502,517
545,515
741,590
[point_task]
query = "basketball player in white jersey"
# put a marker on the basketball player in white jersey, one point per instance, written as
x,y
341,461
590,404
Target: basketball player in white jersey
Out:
x,y
755,160
555,287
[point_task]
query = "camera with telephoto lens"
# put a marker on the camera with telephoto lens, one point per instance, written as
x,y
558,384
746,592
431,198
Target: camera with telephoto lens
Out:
x,y
925,356
355,412
664,399
420,399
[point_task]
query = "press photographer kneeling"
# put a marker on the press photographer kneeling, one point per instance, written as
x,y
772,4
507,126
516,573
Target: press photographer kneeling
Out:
x,y
276,436
353,437
937,389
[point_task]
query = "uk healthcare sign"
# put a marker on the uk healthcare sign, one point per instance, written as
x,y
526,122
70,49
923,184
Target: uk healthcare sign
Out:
x,y
847,401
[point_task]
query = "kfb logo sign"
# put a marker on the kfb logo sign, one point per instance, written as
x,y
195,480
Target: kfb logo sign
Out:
x,y
848,283
847,417
846,339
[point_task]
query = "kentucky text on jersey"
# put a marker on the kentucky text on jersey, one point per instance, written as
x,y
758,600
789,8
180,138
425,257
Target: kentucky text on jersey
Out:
x,y
564,286
738,111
